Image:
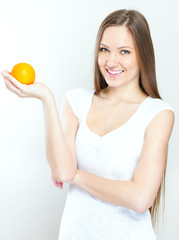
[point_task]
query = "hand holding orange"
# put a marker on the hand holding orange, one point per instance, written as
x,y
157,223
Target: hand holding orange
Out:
x,y
24,73
20,79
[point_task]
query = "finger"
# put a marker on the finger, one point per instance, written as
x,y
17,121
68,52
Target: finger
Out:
x,y
56,183
21,87
13,80
4,72
60,185
8,83
12,88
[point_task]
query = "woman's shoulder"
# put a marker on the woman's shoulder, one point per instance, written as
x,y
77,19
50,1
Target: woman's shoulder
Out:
x,y
151,108
78,98
157,103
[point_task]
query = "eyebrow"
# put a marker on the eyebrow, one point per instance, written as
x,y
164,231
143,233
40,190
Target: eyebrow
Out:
x,y
117,48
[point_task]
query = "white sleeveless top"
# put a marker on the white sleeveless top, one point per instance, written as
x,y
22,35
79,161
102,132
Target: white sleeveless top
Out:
x,y
112,156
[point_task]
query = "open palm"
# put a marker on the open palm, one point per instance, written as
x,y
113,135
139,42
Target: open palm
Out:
x,y
35,90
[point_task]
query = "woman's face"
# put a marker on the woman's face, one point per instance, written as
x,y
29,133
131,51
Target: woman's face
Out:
x,y
117,58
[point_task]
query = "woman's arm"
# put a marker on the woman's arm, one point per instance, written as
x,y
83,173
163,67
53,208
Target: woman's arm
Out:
x,y
61,159
139,193
60,142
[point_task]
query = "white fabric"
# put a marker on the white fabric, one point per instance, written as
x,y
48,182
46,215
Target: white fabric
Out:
x,y
112,156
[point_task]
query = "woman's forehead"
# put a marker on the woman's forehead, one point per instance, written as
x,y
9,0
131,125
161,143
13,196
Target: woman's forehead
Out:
x,y
117,36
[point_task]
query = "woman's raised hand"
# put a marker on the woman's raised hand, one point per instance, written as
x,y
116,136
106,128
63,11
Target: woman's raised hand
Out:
x,y
35,90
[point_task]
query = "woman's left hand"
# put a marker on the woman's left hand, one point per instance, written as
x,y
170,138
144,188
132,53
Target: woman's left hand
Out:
x,y
56,183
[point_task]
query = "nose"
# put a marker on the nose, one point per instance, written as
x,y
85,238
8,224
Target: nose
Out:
x,y
112,60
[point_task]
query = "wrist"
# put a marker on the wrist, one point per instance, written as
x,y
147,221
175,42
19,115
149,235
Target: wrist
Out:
x,y
47,97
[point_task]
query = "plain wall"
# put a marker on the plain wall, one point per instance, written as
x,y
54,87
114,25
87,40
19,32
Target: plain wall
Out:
x,y
57,38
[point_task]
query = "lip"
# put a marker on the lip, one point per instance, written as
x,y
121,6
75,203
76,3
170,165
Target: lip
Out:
x,y
117,75
113,70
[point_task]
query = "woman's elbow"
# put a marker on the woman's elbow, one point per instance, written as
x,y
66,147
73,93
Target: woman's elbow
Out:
x,y
66,176
143,205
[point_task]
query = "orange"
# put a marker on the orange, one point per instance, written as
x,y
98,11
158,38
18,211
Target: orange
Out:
x,y
24,73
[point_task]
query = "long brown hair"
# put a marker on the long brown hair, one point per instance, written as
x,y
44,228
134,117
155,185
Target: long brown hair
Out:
x,y
138,26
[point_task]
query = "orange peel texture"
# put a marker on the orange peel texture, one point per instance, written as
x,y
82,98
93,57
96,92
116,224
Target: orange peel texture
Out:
x,y
24,73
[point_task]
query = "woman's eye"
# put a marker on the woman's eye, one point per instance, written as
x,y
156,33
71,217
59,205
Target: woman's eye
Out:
x,y
103,50
125,52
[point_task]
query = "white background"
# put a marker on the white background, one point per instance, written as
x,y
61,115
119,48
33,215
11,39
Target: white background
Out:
x,y
57,38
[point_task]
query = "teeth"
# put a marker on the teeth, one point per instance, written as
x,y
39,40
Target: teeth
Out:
x,y
114,72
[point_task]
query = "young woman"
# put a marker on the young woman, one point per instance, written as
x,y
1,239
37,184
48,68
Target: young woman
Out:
x,y
111,142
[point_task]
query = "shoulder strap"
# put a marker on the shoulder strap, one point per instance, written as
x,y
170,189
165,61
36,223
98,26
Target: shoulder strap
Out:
x,y
78,99
152,108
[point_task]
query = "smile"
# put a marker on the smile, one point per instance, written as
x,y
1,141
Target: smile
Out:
x,y
114,73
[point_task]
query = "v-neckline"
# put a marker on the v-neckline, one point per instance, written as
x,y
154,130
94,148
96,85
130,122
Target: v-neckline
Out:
x,y
116,129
